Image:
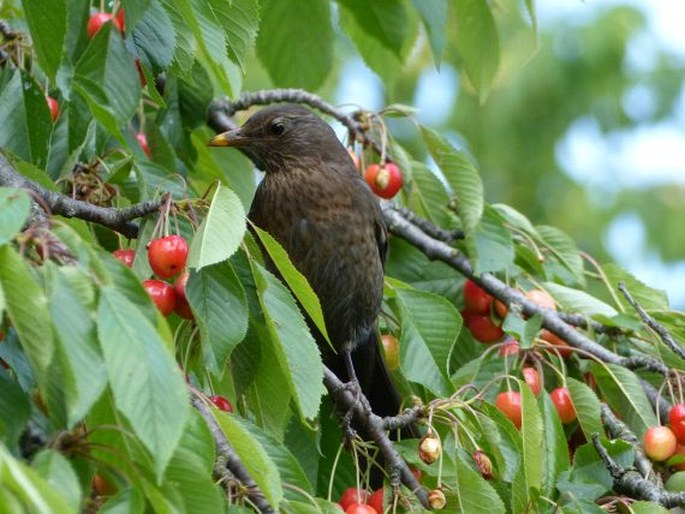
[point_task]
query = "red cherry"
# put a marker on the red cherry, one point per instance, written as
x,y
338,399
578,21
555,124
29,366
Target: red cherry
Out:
x,y
182,306
167,255
351,496
162,294
501,309
676,416
532,378
142,141
98,19
590,380
139,67
563,404
54,107
659,443
376,501
360,508
102,486
125,256
221,403
475,299
391,347
121,19
509,403
510,346
560,346
482,327
384,180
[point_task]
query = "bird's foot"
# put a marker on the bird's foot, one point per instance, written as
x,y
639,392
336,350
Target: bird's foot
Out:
x,y
355,389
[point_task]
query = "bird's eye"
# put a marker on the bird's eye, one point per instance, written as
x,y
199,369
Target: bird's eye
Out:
x,y
277,128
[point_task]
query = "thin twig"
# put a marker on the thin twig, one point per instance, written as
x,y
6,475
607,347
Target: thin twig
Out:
x,y
661,331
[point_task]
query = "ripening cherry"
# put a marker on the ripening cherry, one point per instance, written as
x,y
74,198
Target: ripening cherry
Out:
x,y
560,346
384,180
54,107
162,295
659,443
121,18
352,496
509,403
125,256
475,299
142,141
541,298
376,501
676,417
182,306
167,255
510,346
563,404
391,347
532,378
97,20
221,403
360,508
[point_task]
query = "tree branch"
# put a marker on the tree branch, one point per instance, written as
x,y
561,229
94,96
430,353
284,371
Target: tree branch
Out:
x,y
375,427
620,430
118,220
661,331
226,453
629,482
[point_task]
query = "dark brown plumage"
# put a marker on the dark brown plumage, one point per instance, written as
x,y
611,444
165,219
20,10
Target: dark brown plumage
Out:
x,y
313,201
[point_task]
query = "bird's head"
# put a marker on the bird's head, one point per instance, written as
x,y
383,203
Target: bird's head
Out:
x,y
281,136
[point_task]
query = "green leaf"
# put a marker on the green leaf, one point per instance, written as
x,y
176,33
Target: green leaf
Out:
x,y
289,30
516,219
646,296
15,206
434,16
128,501
27,307
294,348
154,37
220,233
240,21
26,118
556,447
294,279
625,394
384,20
532,435
474,494
589,468
429,329
360,22
587,407
574,300
253,455
645,507
428,196
461,175
58,472
107,63
491,247
29,489
565,250
478,43
147,383
48,28
15,408
218,301
187,476
72,306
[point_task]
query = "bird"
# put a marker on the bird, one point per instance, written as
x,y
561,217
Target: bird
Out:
x,y
316,205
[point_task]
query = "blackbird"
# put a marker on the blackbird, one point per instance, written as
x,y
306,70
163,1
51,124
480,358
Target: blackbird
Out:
x,y
315,204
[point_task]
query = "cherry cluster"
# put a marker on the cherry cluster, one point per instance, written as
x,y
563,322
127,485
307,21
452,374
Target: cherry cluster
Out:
x,y
167,257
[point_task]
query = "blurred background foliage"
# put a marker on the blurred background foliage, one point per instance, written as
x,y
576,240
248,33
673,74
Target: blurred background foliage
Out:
x,y
566,135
